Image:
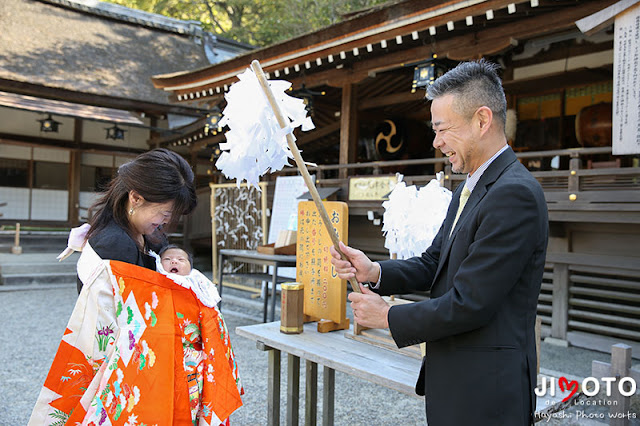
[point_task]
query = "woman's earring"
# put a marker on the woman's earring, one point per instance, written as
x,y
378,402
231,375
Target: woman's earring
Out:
x,y
131,211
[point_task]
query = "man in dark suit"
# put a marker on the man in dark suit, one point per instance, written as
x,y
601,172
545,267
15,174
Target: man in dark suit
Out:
x,y
484,267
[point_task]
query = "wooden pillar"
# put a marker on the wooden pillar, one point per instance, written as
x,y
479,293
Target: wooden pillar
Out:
x,y
560,307
448,182
348,127
328,395
311,394
620,365
293,389
620,382
186,221
75,161
75,158
574,179
273,390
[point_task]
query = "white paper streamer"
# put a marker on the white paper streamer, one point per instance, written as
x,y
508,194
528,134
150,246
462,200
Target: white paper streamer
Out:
x,y
255,142
413,217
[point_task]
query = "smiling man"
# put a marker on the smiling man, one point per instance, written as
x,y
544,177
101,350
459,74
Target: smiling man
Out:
x,y
483,269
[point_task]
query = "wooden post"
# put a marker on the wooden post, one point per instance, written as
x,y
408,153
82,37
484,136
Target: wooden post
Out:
x,y
620,368
273,390
16,249
560,307
448,182
348,127
257,69
574,179
311,394
293,389
214,240
620,365
328,395
74,181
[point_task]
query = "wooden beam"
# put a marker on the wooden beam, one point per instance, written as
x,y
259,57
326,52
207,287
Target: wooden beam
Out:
x,y
554,82
562,54
348,127
396,98
59,143
483,42
202,143
93,99
493,40
318,133
603,18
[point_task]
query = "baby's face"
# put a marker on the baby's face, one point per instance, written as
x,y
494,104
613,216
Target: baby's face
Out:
x,y
176,261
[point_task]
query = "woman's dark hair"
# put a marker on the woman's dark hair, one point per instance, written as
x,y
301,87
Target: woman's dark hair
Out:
x,y
175,246
159,176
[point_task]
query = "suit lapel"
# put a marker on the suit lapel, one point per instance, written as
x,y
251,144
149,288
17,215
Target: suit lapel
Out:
x,y
493,172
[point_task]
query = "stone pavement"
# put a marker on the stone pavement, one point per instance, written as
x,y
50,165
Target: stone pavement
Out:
x,y
35,316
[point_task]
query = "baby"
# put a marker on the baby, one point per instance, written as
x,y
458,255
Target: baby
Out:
x,y
177,264
175,260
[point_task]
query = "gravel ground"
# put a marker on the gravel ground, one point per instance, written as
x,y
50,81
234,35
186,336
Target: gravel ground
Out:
x,y
34,321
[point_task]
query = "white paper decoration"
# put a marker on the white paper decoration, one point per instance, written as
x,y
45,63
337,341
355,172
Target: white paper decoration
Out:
x,y
412,217
255,142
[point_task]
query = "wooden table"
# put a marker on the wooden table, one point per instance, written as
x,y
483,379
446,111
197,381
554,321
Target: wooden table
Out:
x,y
334,352
253,257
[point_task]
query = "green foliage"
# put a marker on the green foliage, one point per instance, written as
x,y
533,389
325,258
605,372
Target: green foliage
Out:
x,y
258,22
61,417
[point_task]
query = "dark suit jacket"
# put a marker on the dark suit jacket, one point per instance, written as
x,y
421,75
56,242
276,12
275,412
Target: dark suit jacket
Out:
x,y
480,367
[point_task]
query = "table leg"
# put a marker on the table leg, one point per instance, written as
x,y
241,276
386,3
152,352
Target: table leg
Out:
x,y
220,268
265,305
274,282
328,395
293,389
273,391
311,394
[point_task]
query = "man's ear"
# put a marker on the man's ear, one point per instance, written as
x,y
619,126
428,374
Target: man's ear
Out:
x,y
484,117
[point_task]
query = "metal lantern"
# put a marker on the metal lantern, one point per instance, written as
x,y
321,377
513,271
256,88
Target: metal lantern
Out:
x,y
49,125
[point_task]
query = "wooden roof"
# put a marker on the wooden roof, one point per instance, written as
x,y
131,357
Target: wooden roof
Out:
x,y
59,46
377,50
389,37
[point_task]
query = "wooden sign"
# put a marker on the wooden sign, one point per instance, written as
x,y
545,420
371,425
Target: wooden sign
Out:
x,y
325,295
371,188
626,83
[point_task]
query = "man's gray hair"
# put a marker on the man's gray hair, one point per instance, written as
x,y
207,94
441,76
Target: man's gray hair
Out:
x,y
474,84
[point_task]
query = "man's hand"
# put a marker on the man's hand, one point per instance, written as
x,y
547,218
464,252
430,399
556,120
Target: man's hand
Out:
x,y
358,265
369,309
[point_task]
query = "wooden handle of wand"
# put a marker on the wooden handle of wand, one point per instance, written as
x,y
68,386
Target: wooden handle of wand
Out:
x,y
257,69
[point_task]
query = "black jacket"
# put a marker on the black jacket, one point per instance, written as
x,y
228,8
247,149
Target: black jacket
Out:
x,y
114,243
485,279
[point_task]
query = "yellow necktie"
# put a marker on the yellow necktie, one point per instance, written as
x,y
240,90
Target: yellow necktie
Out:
x,y
464,196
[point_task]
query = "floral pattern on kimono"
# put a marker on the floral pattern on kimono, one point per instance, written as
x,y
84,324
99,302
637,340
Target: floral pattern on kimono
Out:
x,y
131,351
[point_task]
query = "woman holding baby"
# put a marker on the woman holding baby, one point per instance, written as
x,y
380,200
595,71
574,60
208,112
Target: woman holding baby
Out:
x,y
140,347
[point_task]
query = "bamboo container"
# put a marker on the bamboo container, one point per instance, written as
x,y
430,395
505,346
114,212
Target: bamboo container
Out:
x,y
292,309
